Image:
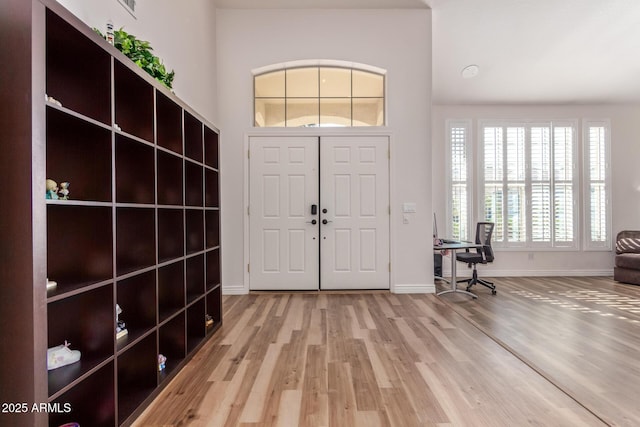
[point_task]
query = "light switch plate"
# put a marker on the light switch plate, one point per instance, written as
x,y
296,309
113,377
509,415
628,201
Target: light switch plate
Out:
x,y
409,208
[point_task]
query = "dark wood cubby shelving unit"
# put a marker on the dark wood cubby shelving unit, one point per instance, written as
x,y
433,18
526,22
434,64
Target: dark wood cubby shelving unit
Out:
x,y
141,228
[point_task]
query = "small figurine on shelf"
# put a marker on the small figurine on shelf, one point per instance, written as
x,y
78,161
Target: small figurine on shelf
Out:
x,y
61,355
110,36
162,360
63,193
208,321
52,189
121,329
52,100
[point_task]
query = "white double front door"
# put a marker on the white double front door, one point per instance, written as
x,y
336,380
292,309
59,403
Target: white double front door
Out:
x,y
319,213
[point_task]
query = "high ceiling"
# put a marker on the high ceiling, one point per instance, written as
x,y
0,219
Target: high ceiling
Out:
x,y
528,51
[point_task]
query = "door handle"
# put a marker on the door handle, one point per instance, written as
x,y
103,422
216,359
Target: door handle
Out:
x,y
314,209
326,221
313,222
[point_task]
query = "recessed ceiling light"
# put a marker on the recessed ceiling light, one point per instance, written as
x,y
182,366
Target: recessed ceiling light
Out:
x,y
470,71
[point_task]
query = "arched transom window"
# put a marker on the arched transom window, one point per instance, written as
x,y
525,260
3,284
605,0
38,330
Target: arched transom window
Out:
x,y
319,96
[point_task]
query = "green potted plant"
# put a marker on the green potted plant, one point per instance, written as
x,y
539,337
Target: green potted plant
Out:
x,y
140,52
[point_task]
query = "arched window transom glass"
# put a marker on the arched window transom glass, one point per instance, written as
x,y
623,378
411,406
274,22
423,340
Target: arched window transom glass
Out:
x,y
319,96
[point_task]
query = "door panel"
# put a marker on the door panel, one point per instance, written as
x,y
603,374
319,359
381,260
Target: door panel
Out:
x,y
354,182
283,184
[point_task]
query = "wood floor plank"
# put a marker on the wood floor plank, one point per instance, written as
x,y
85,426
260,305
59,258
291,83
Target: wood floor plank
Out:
x,y
342,405
289,410
314,409
253,408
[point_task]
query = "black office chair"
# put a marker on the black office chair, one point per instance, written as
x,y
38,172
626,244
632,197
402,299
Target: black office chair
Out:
x,y
483,255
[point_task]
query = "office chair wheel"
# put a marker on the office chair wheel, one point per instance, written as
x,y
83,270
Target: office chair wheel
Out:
x,y
493,291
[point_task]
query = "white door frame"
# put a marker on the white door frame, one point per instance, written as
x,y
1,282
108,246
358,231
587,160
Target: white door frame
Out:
x,y
318,132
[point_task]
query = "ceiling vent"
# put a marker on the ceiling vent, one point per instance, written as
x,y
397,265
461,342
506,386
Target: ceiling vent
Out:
x,y
130,5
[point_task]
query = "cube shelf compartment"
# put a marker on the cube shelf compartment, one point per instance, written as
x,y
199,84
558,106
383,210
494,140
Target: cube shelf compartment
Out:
x,y
193,184
86,322
169,124
133,102
79,152
137,299
214,308
137,376
141,227
170,234
195,230
172,344
212,196
79,246
212,226
85,89
210,148
135,171
196,326
92,402
195,277
170,290
213,268
169,179
135,239
192,137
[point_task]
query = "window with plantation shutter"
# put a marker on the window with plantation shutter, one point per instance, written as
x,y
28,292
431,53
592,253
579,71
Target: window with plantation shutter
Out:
x,y
458,210
597,188
528,185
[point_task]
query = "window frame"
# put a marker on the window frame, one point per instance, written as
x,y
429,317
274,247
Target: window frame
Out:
x,y
319,66
588,243
528,243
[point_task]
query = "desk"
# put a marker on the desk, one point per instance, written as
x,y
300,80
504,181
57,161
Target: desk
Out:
x,y
453,247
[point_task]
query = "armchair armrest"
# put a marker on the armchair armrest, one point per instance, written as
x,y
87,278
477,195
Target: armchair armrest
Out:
x,y
628,241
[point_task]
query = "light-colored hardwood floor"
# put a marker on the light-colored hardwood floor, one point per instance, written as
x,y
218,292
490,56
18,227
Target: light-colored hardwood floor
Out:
x,y
583,334
544,351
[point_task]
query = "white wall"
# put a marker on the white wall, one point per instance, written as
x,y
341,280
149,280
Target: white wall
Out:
x,y
625,153
182,34
396,40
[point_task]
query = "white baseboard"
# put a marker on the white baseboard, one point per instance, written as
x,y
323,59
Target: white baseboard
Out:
x,y
234,290
411,288
539,273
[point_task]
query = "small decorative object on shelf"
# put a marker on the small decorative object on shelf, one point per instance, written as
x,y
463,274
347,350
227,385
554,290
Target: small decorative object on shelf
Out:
x,y
52,189
61,355
121,329
52,100
116,127
63,193
51,284
162,360
208,320
110,38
